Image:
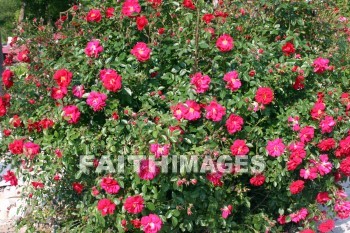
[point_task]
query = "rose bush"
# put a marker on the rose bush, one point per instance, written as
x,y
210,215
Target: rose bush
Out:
x,y
161,78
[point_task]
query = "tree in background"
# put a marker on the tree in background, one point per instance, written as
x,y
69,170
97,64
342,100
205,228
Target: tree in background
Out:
x,y
13,11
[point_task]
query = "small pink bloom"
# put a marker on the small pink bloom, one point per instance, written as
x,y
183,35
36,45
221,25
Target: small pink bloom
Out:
x,y
71,114
148,169
78,91
324,166
134,204
234,123
224,43
214,111
159,150
309,173
275,148
141,52
110,185
93,48
226,211
299,215
201,82
96,100
10,176
31,149
306,134
179,111
94,15
327,124
193,110
232,81
105,206
320,65
131,7
151,223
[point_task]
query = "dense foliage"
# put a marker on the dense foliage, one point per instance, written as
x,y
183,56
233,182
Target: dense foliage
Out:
x,y
164,78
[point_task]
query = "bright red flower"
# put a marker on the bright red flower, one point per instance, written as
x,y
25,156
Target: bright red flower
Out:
x,y
207,18
189,4
264,95
141,22
322,198
94,15
111,80
239,147
326,226
326,144
234,123
7,78
77,187
296,186
58,92
63,77
106,206
257,180
10,176
110,12
288,48
16,147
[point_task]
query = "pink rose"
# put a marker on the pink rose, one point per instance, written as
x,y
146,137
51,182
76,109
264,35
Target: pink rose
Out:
x,y
111,80
148,169
239,147
214,111
110,185
131,7
134,204
159,150
96,100
232,81
201,82
93,48
94,15
234,123
141,51
275,148
224,43
151,223
320,65
78,91
71,113
105,206
31,149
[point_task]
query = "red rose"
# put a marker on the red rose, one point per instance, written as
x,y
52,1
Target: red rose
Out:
x,y
106,206
23,56
7,76
94,15
63,77
322,198
257,180
78,187
264,95
288,48
296,186
207,18
141,22
111,80
326,226
110,12
10,177
189,4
